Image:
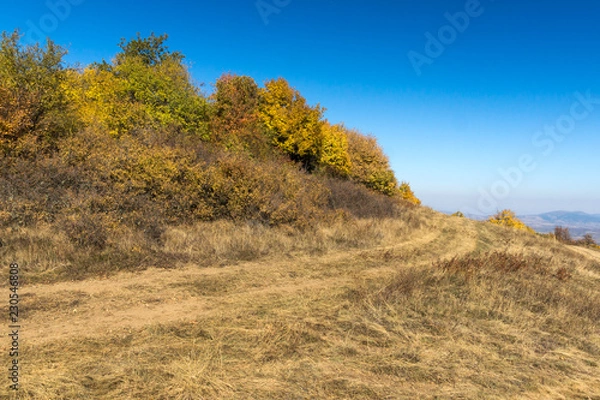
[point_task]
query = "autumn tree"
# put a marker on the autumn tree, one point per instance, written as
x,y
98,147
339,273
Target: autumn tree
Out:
x,y
293,125
334,159
234,119
145,86
588,240
369,165
563,235
35,110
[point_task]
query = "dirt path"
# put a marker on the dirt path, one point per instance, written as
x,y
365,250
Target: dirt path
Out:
x,y
126,301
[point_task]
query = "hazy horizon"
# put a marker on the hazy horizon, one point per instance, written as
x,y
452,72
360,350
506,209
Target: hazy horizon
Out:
x,y
449,203
479,105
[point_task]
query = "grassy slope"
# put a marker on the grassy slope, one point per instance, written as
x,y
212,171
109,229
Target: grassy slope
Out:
x,y
356,310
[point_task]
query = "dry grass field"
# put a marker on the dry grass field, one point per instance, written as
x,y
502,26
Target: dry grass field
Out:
x,y
422,306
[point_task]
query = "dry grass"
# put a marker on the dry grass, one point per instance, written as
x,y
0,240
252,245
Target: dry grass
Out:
x,y
419,307
51,255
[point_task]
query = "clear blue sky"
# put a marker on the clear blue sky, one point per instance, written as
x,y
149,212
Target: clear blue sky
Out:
x,y
449,125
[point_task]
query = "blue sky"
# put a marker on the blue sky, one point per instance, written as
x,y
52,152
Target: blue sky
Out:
x,y
503,87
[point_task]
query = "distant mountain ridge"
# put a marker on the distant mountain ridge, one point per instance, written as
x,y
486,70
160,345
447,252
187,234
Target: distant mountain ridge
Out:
x,y
568,216
579,223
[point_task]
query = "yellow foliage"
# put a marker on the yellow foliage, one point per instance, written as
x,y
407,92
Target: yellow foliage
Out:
x,y
407,194
128,142
134,93
368,164
104,102
294,126
509,219
334,156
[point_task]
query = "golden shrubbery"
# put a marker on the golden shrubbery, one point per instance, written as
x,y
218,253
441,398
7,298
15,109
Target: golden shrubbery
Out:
x,y
134,143
509,219
185,184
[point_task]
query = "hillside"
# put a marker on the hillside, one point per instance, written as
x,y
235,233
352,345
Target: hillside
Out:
x,y
419,306
578,223
174,244
87,149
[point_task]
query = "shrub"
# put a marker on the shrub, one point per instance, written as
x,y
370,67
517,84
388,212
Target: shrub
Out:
x,y
407,194
563,235
130,146
588,240
359,201
145,182
86,230
497,261
509,219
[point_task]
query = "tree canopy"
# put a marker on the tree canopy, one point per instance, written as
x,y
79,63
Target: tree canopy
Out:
x,y
147,89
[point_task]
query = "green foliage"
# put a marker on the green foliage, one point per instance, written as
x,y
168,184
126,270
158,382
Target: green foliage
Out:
x,y
147,86
34,105
458,214
133,143
509,219
150,51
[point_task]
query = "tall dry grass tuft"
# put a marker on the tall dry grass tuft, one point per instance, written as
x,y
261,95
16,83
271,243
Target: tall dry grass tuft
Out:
x,y
497,261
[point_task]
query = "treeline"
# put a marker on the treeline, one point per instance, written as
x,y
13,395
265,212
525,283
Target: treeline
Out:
x,y
135,141
563,235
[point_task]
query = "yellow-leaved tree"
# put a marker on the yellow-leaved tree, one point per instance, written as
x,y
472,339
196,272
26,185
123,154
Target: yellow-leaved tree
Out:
x,y
334,158
368,164
104,102
293,125
146,86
